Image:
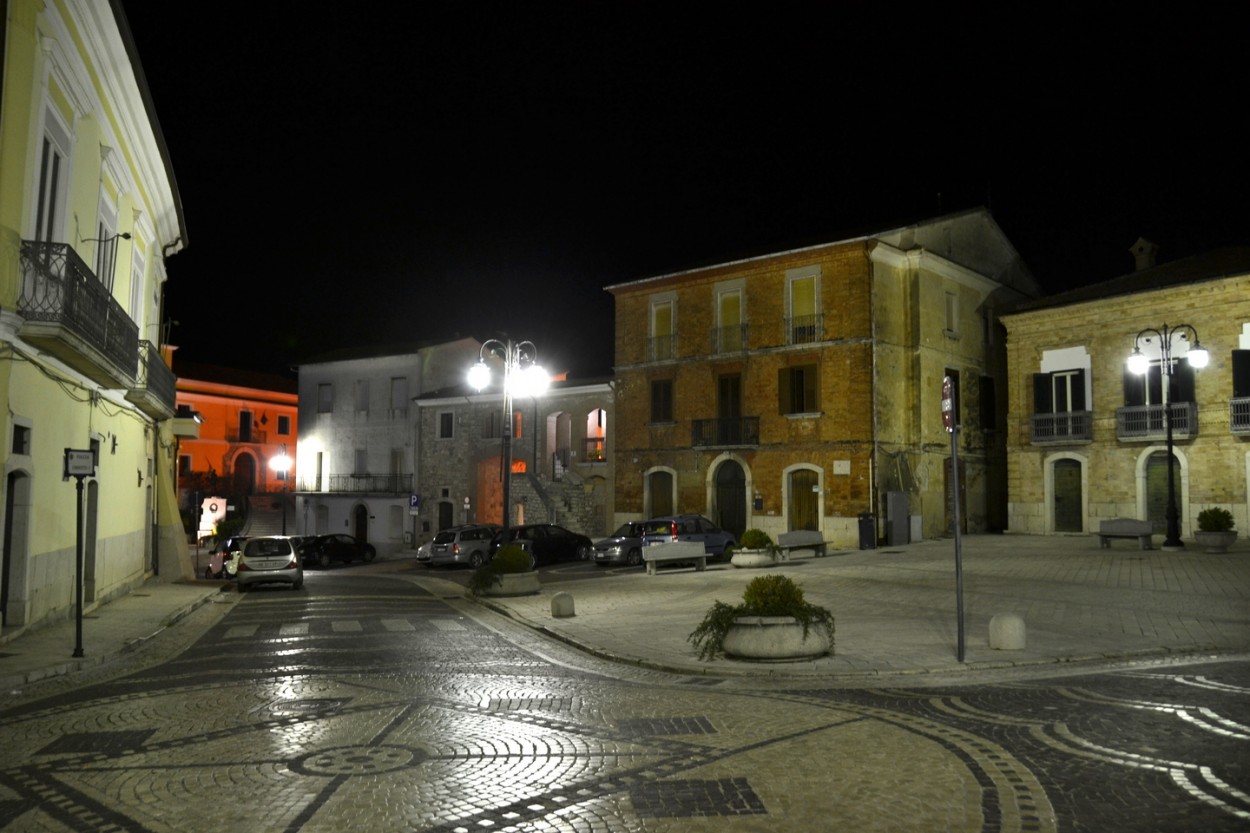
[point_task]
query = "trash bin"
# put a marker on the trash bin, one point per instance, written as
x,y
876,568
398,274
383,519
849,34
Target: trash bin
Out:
x,y
867,531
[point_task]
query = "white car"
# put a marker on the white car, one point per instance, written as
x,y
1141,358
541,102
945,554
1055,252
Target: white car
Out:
x,y
269,559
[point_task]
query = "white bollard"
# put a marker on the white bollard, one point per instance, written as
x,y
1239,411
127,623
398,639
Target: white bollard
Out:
x,y
1007,632
562,605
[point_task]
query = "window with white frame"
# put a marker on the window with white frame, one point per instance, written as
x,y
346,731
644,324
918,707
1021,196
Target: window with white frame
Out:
x,y
399,397
362,395
136,286
106,244
663,337
51,187
730,333
952,315
804,324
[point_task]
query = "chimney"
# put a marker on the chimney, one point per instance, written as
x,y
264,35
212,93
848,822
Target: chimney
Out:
x,y
1144,253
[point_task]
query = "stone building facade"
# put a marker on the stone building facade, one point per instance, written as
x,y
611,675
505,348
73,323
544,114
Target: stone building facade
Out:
x,y
801,389
1087,438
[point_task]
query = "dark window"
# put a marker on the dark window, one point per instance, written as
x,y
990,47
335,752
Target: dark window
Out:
x,y
1060,392
184,464
21,439
446,425
797,390
1241,373
325,398
284,425
989,407
662,400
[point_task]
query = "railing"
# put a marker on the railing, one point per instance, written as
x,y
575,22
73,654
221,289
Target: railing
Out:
x,y
234,435
1239,415
805,329
729,339
732,431
391,484
662,348
155,376
1063,427
57,287
1149,422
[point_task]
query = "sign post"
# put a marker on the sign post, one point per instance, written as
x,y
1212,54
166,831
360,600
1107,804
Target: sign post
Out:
x,y
78,464
952,428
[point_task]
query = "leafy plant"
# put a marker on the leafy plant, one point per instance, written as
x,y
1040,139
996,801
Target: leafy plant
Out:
x,y
755,539
1215,519
764,596
509,559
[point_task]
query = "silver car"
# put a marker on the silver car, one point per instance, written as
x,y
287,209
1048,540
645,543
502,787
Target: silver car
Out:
x,y
467,545
269,559
621,547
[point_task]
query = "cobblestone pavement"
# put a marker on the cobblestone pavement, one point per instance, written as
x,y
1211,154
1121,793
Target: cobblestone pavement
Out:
x,y
373,702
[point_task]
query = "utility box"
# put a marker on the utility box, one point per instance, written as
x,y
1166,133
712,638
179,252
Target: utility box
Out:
x,y
867,531
898,523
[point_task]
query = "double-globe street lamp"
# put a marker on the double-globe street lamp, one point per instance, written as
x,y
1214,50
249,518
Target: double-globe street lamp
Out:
x,y
1139,364
522,376
281,465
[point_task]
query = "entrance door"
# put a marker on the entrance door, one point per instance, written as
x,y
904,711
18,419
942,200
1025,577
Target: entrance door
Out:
x,y
1157,490
1067,480
804,500
730,510
16,519
361,526
660,494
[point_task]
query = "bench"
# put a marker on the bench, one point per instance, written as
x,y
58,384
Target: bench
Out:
x,y
1124,528
690,551
802,539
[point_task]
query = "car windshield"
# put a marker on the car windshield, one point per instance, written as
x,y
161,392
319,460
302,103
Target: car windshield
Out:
x,y
659,527
444,537
267,546
629,530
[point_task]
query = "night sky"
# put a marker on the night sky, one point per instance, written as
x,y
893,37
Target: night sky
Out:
x,y
364,174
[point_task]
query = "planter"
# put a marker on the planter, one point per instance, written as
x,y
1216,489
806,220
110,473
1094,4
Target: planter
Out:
x,y
514,584
752,558
775,639
1215,541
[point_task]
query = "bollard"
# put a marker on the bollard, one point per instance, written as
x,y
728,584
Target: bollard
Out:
x,y
562,605
1007,632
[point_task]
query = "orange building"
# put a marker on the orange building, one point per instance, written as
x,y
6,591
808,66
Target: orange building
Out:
x,y
246,420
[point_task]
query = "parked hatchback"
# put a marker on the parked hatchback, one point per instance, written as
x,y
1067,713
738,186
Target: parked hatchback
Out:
x,y
268,559
717,542
621,547
466,545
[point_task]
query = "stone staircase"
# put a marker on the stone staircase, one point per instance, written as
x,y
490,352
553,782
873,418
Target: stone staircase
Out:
x,y
563,502
264,515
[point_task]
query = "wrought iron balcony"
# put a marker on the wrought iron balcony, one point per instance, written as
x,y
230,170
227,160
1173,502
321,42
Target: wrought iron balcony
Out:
x,y
155,389
384,484
1069,426
1149,422
729,339
68,312
235,435
732,431
805,329
662,348
1239,415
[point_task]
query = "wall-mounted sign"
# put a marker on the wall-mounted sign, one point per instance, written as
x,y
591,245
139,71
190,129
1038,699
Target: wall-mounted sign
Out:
x,y
79,463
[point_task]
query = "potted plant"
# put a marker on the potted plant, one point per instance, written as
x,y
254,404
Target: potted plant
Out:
x,y
1215,529
510,572
755,549
774,622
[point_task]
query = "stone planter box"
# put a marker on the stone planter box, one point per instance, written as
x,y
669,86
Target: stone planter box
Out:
x,y
1215,541
752,558
774,639
514,584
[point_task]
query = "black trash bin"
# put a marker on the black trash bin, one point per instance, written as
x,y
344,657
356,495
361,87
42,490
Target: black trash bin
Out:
x,y
867,531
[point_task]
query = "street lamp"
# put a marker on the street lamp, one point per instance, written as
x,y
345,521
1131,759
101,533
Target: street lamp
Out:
x,y
282,466
1139,363
522,376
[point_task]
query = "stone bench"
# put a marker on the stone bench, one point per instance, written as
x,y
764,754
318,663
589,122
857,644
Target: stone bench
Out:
x,y
802,539
675,551
1125,528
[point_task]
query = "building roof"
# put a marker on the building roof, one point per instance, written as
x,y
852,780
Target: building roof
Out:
x,y
1213,265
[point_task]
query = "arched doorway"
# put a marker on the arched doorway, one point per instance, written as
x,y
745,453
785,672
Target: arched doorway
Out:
x,y
13,563
1068,500
730,498
360,522
658,500
244,478
559,443
1157,489
804,499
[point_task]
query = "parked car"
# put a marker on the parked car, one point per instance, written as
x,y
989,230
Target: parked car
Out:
x,y
621,547
468,545
325,549
547,543
221,560
268,559
423,552
717,542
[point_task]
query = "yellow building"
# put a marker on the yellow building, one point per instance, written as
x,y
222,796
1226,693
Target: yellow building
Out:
x,y
1087,439
801,389
88,213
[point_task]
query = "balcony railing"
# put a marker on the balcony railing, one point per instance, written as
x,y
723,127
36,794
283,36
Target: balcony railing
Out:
x,y
594,450
805,329
1070,426
155,389
732,431
662,348
234,435
729,339
1149,422
1239,415
67,311
386,484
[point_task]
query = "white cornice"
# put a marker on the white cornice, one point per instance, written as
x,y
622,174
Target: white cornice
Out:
x,y
921,259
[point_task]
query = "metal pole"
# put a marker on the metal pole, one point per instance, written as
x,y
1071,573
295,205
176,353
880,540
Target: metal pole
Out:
x,y
959,555
78,574
506,442
1173,538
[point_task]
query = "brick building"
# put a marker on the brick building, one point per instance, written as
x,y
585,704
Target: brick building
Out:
x,y
1086,438
797,390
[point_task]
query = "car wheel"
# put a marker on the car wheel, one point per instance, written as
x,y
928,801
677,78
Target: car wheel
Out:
x,y
323,560
583,553
370,553
634,558
475,560
208,572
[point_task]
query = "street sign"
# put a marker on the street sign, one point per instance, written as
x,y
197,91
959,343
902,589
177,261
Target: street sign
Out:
x,y
79,463
948,405
414,504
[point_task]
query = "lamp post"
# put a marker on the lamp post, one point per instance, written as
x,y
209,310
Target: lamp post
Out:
x,y
282,466
522,376
1139,364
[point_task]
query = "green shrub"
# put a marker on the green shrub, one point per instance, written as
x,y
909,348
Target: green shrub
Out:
x,y
764,596
755,539
509,559
1215,519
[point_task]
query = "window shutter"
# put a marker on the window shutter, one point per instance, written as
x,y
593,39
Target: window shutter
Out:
x,y
1078,391
1241,373
1042,402
1182,389
811,400
783,390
